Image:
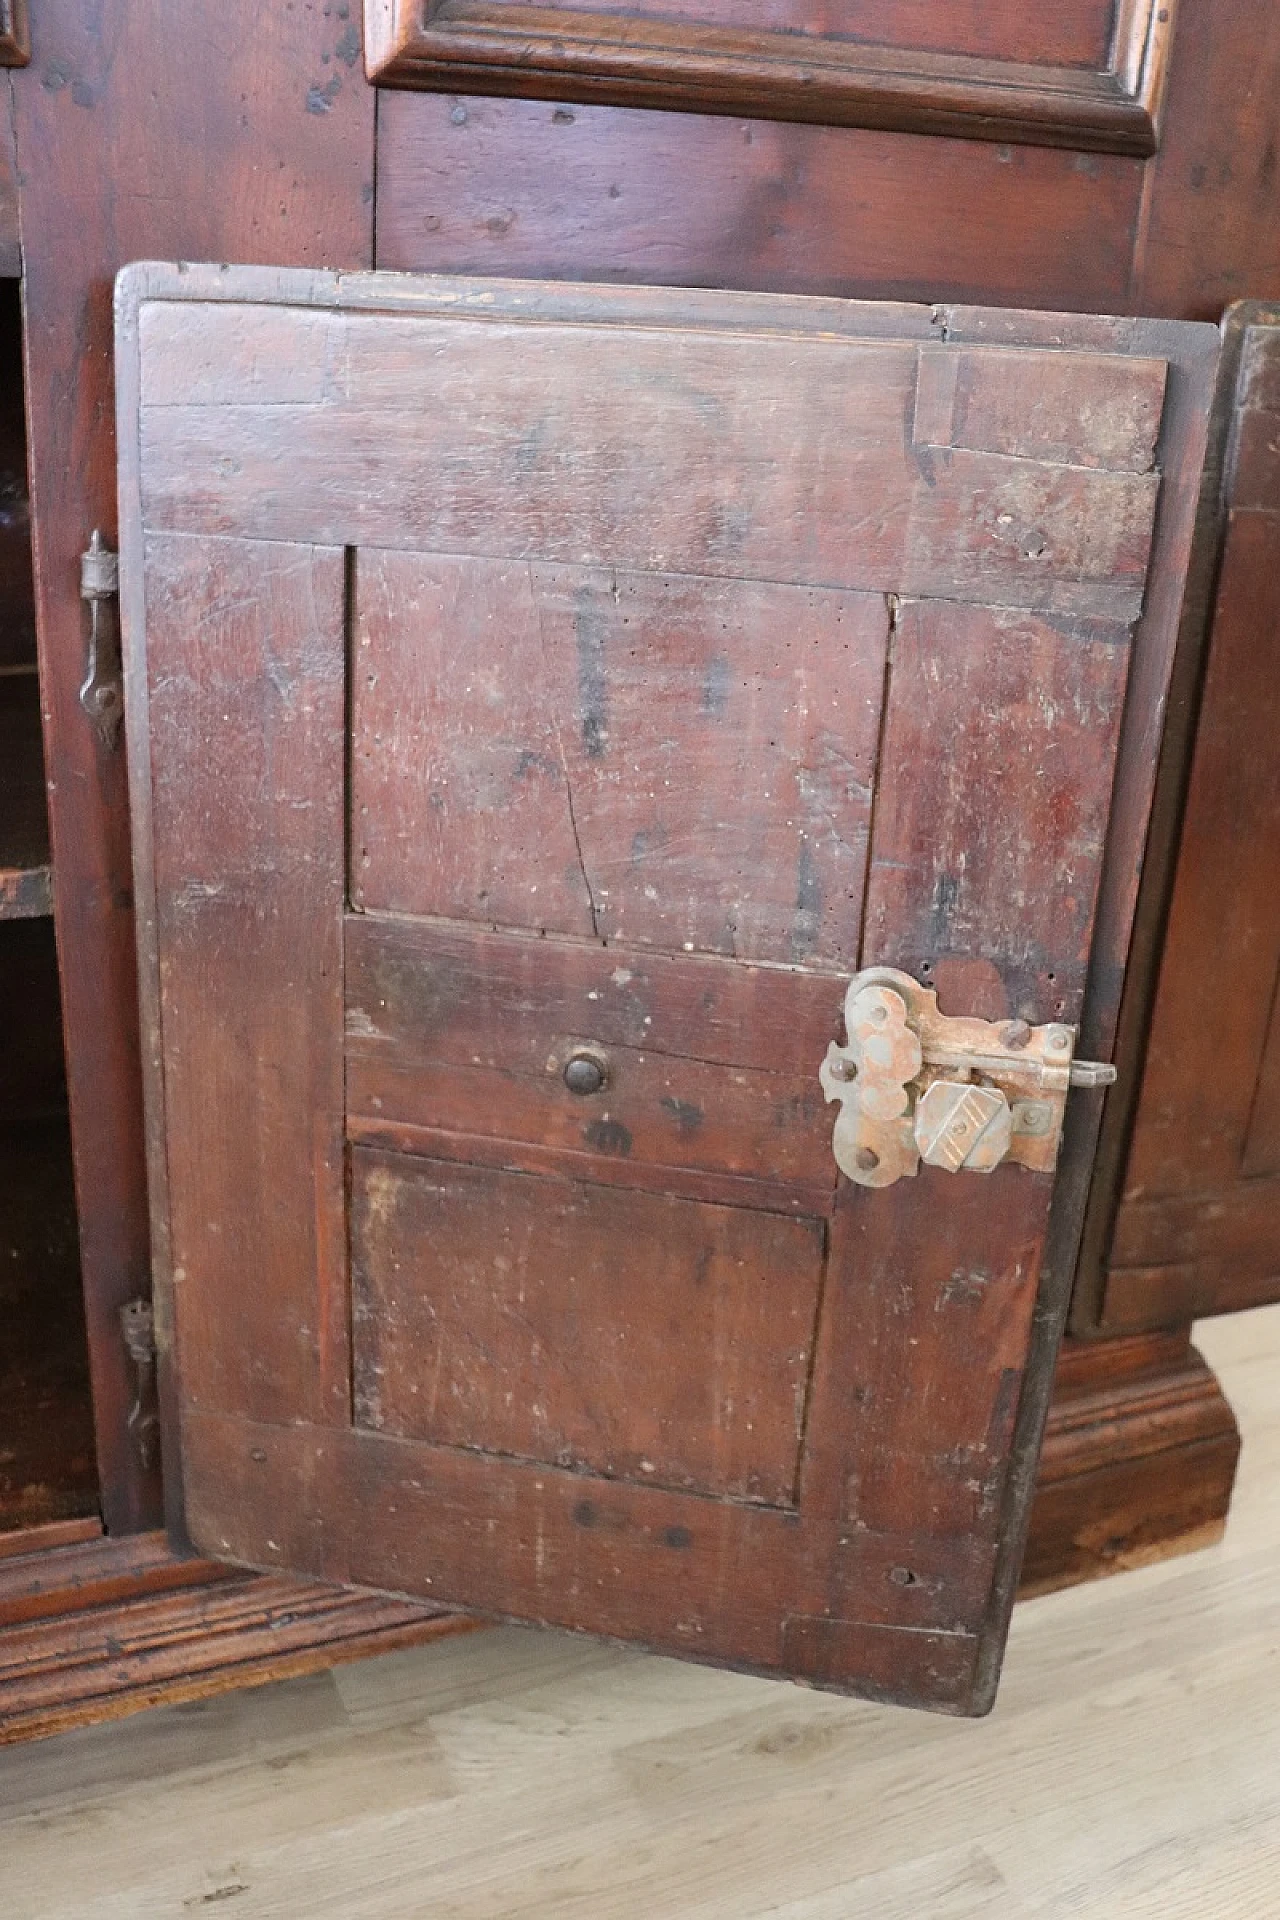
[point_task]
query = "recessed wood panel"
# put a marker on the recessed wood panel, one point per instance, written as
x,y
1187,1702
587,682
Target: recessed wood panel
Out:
x,y
632,1335
464,1037
1077,33
598,773
973,892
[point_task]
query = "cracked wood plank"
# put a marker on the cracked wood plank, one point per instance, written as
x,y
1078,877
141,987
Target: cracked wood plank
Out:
x,y
665,450
670,762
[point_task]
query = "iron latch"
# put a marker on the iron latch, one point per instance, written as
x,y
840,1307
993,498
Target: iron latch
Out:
x,y
959,1093
102,689
138,1331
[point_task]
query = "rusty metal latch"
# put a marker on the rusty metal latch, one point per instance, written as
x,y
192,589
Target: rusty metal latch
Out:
x,y
963,1094
102,690
137,1329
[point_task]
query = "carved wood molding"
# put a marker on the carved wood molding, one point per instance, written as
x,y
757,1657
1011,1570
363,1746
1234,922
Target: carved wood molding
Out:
x,y
15,41
99,1628
644,59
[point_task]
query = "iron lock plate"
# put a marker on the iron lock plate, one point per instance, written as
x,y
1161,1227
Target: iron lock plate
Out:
x,y
959,1093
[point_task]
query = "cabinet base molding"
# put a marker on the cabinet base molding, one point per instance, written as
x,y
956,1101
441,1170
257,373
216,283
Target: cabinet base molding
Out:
x,y
1138,1464
97,1629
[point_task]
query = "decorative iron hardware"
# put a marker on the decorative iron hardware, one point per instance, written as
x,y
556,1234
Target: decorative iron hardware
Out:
x,y
915,1084
102,690
137,1327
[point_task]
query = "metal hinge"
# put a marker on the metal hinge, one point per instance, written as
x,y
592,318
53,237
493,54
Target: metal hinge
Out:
x,y
102,690
915,1084
137,1326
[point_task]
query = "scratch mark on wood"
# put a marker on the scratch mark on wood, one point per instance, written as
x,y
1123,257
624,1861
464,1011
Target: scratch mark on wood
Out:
x,y
559,738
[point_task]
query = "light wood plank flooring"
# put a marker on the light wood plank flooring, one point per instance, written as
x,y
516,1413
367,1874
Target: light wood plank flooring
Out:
x,y
1131,1768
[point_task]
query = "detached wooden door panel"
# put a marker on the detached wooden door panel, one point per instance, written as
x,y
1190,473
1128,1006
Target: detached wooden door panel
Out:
x,y
542,700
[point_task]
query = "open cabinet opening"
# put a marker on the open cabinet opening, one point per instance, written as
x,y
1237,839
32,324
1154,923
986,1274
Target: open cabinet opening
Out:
x,y
48,1471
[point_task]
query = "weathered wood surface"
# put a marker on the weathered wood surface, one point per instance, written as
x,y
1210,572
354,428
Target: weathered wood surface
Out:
x,y
556,443
519,814
636,1336
1138,1463
786,62
248,906
463,1036
143,128
463,188
1197,1230
94,1628
959,888
261,133
646,607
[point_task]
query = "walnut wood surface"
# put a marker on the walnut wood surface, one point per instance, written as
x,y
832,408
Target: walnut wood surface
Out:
x,y
541,431
95,1629
133,138
710,1089
977,516
1139,1460
707,59
480,830
120,97
471,1327
465,186
1197,1227
17,586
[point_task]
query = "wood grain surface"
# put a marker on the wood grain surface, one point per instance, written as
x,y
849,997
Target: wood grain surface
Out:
x,y
115,123
555,489
1195,1230
1127,1770
790,61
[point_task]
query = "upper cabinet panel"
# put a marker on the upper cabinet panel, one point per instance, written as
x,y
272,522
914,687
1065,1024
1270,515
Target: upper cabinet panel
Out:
x,y
15,40
1088,77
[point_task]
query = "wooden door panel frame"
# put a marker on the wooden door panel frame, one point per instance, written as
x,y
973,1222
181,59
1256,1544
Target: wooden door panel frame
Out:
x,y
1017,1420
644,59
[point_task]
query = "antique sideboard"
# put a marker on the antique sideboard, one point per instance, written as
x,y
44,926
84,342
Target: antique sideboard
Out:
x,y
1115,159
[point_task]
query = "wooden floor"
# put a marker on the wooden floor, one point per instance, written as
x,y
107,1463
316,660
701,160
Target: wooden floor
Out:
x,y
1131,1768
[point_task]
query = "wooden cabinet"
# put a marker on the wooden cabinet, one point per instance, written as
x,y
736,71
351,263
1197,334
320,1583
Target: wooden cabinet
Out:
x,y
853,152
1197,1228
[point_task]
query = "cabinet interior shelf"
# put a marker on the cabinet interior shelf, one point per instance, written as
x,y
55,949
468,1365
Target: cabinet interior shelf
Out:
x,y
25,875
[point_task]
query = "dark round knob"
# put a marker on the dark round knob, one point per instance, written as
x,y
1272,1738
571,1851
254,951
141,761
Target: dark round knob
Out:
x,y
585,1073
